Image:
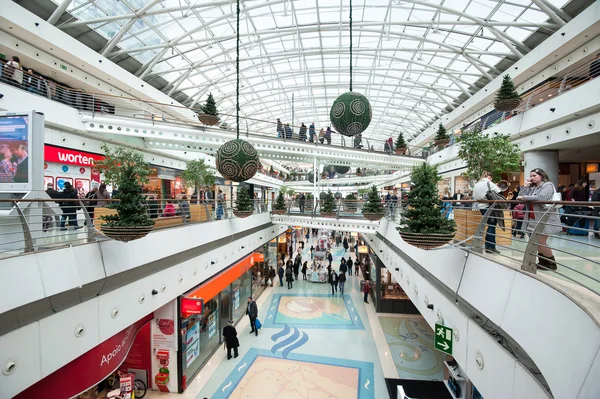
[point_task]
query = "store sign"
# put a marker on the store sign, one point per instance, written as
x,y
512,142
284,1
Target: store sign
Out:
x,y
190,306
90,368
363,249
70,157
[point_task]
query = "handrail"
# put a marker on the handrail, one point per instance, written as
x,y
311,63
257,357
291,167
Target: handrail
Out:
x,y
553,86
53,223
153,111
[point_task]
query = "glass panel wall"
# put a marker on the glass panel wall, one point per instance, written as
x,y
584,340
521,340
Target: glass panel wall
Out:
x,y
241,290
202,337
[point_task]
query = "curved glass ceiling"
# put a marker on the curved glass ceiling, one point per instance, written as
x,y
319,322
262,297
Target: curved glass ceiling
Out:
x,y
414,60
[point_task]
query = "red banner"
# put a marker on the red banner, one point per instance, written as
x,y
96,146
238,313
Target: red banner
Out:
x,y
88,369
190,306
71,157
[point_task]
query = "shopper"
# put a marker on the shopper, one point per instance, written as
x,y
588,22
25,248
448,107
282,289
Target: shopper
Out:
x,y
343,266
252,312
333,280
302,132
102,195
480,191
322,136
349,263
329,258
68,208
289,277
345,244
311,132
518,215
279,129
539,188
328,135
301,204
304,269
52,193
169,210
281,272
12,73
272,275
288,131
91,204
231,340
366,291
312,251
342,281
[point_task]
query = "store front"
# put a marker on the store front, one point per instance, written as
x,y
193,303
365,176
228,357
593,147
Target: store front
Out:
x,y
165,183
206,309
63,165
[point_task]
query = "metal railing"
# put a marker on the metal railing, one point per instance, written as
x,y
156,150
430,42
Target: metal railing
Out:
x,y
345,209
102,103
34,225
560,238
554,86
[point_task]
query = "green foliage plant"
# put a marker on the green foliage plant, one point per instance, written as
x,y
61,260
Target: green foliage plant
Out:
x,y
507,90
400,142
328,203
197,174
441,133
280,202
210,107
127,170
373,204
362,192
423,211
243,202
351,202
493,153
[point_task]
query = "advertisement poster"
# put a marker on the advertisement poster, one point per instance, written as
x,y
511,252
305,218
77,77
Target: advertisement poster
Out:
x,y
236,299
163,337
212,325
14,149
192,353
193,334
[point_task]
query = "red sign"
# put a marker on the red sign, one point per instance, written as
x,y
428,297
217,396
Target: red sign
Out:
x,y
190,306
90,368
70,157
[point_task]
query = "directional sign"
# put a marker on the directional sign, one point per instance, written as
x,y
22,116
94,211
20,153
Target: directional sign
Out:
x,y
443,339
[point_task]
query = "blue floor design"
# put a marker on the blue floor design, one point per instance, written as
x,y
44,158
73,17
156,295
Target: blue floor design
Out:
x,y
366,387
329,321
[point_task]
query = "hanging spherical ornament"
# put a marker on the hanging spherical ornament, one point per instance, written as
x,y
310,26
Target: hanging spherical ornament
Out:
x,y
311,177
351,113
237,160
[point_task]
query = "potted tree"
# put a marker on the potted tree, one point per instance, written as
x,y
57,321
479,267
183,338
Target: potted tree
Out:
x,y
426,227
358,172
328,205
209,114
197,174
441,136
127,170
362,192
243,203
279,207
272,171
350,203
507,97
400,145
372,209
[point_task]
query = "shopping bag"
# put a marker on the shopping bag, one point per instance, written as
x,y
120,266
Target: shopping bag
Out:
x,y
257,324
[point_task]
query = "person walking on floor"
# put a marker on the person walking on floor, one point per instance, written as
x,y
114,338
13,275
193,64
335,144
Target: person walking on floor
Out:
x,y
333,280
289,277
345,244
272,275
252,312
301,204
304,269
312,251
329,258
281,272
343,266
297,265
366,290
349,263
342,281
231,340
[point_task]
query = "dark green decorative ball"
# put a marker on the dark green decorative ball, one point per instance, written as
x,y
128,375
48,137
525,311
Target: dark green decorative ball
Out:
x,y
340,170
237,160
337,195
311,177
351,113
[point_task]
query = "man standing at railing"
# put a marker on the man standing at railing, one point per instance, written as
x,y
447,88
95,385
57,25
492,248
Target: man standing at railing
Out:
x,y
480,193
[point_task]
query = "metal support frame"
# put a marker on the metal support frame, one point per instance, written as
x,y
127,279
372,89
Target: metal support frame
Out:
x,y
479,237
529,257
91,231
27,237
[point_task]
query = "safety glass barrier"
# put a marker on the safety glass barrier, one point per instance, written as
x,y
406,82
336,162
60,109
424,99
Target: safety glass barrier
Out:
x,y
33,225
558,238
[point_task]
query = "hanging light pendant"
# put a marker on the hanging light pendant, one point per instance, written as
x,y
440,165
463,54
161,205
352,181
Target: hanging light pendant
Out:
x,y
351,113
237,160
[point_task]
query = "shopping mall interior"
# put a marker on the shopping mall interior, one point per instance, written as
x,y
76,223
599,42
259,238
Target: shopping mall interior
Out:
x,y
402,198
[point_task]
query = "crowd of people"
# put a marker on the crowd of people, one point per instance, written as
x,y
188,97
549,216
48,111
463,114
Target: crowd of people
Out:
x,y
285,131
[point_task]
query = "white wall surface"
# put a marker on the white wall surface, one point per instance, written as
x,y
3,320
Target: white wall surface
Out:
x,y
52,341
559,336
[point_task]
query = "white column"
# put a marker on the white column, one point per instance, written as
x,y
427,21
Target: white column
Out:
x,y
545,160
315,174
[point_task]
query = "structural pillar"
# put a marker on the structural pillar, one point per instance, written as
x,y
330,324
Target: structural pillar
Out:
x,y
545,160
315,174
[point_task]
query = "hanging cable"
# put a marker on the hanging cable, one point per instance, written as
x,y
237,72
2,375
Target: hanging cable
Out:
x,y
350,45
237,73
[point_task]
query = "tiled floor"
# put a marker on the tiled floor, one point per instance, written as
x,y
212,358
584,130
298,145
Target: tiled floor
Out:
x,y
312,345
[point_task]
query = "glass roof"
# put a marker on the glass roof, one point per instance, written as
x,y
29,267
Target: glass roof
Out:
x,y
412,59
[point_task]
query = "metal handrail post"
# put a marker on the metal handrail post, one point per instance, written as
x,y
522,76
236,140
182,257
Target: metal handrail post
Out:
x,y
91,233
27,238
479,238
529,258
337,214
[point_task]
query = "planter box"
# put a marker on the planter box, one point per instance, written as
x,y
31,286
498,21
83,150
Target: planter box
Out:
x,y
208,119
442,143
126,234
242,214
328,214
278,211
400,151
426,241
507,105
373,216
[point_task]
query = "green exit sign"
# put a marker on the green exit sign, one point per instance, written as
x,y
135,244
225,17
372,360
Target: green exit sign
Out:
x,y
63,66
443,338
